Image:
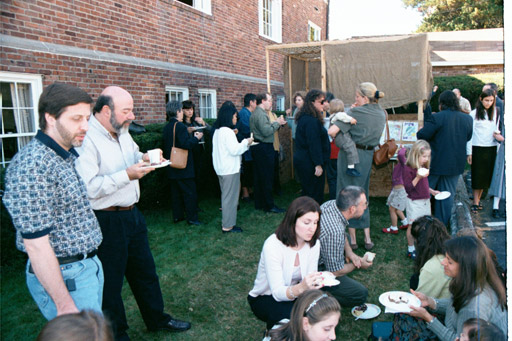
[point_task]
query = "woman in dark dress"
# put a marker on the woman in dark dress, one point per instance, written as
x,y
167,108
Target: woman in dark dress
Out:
x,y
312,149
183,185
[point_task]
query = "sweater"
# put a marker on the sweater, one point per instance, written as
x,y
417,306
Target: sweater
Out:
x,y
433,282
422,189
485,305
227,151
275,268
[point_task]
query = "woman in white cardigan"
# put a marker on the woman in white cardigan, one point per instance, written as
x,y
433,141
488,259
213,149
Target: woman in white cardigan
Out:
x,y
227,156
288,263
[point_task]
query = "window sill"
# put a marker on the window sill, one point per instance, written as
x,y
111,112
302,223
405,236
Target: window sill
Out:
x,y
190,9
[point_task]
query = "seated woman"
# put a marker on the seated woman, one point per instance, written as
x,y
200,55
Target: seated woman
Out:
x,y
288,263
430,234
314,318
476,291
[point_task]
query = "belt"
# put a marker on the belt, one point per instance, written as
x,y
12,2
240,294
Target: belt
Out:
x,y
118,208
70,259
360,146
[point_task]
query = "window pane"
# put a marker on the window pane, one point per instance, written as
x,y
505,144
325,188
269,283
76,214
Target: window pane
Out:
x,y
9,148
8,122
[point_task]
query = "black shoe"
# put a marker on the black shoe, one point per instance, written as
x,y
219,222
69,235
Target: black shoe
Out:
x,y
194,222
496,214
235,229
275,209
174,326
353,172
177,220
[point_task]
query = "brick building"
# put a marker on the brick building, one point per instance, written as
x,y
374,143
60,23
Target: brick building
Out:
x,y
208,51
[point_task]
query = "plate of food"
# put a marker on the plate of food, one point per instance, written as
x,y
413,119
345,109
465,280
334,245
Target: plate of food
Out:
x,y
199,127
158,165
442,195
399,301
329,280
365,311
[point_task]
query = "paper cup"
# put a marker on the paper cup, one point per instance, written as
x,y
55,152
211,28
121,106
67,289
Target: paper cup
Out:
x,y
154,156
422,171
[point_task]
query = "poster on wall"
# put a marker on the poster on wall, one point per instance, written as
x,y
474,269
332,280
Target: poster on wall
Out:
x,y
409,131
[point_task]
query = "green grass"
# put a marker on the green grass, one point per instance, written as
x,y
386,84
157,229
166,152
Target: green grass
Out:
x,y
205,276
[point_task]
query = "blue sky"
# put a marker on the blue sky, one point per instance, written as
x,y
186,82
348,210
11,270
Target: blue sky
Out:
x,y
371,17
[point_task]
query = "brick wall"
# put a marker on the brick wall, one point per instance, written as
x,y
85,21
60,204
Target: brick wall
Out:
x,y
160,30
465,70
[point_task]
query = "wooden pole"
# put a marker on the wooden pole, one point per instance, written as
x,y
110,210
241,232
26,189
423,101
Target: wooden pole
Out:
x,y
420,114
290,82
268,69
324,72
306,70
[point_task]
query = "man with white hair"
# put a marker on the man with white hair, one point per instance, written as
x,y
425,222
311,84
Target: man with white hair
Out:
x,y
464,104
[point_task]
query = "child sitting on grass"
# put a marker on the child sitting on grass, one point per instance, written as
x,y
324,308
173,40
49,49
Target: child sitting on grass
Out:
x,y
397,200
344,140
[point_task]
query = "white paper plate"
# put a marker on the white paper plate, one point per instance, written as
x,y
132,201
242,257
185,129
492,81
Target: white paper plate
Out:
x,y
399,307
443,195
329,279
254,143
160,165
372,311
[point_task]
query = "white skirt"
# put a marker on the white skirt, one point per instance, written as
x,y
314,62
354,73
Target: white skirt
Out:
x,y
417,208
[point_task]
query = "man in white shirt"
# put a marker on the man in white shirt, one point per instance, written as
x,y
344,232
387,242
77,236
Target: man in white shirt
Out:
x,y
110,165
464,104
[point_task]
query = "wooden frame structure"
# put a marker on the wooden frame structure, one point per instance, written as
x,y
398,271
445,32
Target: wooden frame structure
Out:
x,y
308,52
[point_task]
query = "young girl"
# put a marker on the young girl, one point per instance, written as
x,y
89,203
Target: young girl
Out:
x,y
416,186
397,200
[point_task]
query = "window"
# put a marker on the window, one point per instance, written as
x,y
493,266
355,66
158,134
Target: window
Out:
x,y
19,97
270,19
207,103
204,6
314,32
280,103
174,93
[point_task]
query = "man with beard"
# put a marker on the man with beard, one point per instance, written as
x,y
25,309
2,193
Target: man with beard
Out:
x,y
47,199
110,167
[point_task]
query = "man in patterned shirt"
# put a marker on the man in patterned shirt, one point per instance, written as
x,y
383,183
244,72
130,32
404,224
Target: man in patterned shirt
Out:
x,y
334,247
54,221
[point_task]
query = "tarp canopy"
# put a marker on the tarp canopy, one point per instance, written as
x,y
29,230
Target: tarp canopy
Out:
x,y
398,65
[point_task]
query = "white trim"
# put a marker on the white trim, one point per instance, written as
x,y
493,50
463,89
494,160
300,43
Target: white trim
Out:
x,y
213,109
204,6
280,103
276,20
318,30
184,90
465,62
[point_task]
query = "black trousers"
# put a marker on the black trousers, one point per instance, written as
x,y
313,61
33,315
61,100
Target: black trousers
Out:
x,y
263,166
349,292
184,198
125,252
312,186
267,309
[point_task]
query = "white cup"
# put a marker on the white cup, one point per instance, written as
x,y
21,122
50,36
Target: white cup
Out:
x,y
154,156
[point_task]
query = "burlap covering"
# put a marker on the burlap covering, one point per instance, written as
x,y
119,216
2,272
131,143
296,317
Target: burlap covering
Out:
x,y
398,65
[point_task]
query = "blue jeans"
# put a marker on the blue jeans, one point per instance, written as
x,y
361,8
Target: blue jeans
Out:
x,y
88,277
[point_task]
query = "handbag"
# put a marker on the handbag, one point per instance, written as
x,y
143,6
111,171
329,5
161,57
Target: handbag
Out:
x,y
385,151
178,155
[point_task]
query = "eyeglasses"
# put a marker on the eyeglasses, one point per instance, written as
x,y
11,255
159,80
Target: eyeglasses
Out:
x,y
322,101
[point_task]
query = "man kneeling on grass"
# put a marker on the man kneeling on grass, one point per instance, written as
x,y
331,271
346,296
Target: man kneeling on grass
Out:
x,y
350,203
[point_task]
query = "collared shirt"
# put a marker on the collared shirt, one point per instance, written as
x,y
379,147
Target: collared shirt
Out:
x,y
482,132
45,196
102,164
261,126
332,236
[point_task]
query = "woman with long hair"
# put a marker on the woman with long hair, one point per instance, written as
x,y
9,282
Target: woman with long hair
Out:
x,y
476,291
314,318
366,134
312,149
288,263
481,149
227,156
429,234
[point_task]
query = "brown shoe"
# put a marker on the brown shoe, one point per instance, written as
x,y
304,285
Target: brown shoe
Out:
x,y
369,246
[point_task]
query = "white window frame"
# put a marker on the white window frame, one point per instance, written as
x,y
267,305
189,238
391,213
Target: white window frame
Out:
x,y
272,28
177,89
317,29
204,6
36,87
213,110
280,103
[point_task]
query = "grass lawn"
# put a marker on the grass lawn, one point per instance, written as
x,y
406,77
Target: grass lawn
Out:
x,y
205,276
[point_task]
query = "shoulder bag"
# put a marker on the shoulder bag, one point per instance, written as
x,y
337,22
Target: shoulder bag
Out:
x,y
178,155
385,151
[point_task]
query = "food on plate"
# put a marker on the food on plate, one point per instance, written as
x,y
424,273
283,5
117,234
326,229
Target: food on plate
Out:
x,y
358,311
370,256
398,298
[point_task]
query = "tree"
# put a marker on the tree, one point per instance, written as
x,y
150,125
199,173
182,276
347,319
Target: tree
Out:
x,y
457,15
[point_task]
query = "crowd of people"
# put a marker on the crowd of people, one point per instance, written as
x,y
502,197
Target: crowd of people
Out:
x,y
72,194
